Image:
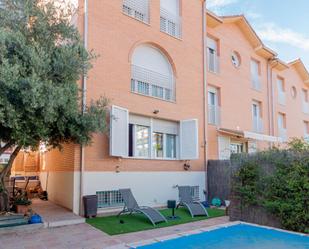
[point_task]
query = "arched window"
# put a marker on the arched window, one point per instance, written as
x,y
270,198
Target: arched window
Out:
x,y
152,74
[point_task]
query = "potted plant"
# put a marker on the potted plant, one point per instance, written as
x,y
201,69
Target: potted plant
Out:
x,y
22,204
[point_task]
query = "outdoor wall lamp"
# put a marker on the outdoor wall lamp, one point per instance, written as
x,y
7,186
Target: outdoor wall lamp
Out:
x,y
156,111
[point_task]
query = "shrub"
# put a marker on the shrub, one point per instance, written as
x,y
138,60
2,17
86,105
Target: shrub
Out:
x,y
278,180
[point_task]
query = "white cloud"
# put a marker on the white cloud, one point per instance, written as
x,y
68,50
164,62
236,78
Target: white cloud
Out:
x,y
219,3
273,33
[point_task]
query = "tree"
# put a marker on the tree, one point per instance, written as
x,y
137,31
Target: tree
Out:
x,y
42,58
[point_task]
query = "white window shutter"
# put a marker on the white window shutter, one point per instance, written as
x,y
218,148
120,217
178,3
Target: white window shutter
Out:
x,y
224,148
189,146
119,129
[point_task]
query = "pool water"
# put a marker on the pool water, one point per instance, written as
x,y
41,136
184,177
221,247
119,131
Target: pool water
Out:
x,y
241,236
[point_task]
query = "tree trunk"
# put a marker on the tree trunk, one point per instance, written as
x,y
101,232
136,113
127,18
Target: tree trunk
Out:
x,y
4,194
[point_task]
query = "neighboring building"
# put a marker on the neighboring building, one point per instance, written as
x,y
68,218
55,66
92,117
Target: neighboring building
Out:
x,y
170,110
254,99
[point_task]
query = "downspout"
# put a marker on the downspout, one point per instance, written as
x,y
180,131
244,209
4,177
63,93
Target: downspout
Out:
x,y
84,91
204,13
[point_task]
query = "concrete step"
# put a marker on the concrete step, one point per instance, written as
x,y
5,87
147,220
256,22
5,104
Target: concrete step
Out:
x,y
11,217
13,222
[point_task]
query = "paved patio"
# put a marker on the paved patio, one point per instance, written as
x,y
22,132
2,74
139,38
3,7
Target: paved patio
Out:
x,y
84,236
54,215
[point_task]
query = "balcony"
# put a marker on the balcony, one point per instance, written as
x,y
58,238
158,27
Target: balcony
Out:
x,y
283,134
257,125
214,117
169,23
281,98
305,107
256,83
150,83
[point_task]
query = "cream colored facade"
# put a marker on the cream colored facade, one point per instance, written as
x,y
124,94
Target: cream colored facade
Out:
x,y
181,93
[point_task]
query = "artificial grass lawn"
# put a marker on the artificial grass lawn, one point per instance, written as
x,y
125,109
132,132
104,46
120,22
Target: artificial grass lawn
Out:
x,y
138,222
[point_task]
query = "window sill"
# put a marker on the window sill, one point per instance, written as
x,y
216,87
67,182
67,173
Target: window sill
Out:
x,y
155,159
215,73
148,96
175,37
136,19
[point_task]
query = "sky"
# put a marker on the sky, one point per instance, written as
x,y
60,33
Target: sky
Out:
x,y
283,25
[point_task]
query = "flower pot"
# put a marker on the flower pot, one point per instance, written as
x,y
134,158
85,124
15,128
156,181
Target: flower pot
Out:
x,y
22,209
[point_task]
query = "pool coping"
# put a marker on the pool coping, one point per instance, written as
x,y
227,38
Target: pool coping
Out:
x,y
198,231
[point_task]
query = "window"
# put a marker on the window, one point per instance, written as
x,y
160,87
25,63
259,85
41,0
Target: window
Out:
x,y
138,9
282,126
152,74
170,21
212,55
213,107
255,74
306,131
256,117
293,92
164,145
144,137
236,148
305,103
235,58
281,91
109,199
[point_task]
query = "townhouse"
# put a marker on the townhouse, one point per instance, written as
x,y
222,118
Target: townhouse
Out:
x,y
185,86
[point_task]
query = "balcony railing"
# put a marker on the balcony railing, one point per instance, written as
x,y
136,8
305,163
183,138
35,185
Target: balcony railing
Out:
x,y
150,83
169,23
257,125
213,61
281,98
283,134
138,9
306,107
256,83
214,115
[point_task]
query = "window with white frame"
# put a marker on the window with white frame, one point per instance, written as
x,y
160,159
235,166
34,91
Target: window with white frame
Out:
x,y
255,74
152,74
281,91
110,198
213,106
170,20
138,9
212,55
305,103
257,117
306,131
282,132
150,138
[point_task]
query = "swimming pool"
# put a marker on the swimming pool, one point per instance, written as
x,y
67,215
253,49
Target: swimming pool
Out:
x,y
240,236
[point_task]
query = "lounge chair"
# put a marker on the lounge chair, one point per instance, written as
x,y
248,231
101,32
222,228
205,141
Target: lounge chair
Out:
x,y
131,206
185,199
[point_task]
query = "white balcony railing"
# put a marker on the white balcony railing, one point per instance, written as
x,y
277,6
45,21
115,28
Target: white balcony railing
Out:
x,y
256,83
138,9
281,98
213,61
150,83
305,107
169,23
257,125
214,115
283,134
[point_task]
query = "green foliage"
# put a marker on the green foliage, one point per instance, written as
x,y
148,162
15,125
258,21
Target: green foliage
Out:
x,y
277,180
22,200
42,58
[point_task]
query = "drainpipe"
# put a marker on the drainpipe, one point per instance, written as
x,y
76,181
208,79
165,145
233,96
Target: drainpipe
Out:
x,y
84,91
204,40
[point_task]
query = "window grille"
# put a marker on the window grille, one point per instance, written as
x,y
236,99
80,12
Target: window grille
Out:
x,y
169,23
195,193
214,114
139,9
150,83
213,60
109,198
